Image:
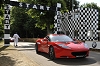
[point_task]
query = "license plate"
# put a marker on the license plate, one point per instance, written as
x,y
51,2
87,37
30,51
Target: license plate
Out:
x,y
80,56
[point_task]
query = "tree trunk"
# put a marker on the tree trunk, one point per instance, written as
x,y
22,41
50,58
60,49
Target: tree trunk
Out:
x,y
48,28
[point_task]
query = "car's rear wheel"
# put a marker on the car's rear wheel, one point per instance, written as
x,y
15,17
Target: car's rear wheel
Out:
x,y
51,53
36,48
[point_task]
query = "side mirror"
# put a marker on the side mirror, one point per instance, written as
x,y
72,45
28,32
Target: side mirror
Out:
x,y
45,39
74,39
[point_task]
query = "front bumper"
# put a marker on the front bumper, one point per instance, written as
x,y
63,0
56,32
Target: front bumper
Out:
x,y
69,53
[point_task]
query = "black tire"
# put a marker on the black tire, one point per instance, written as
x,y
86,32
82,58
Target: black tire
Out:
x,y
36,48
51,53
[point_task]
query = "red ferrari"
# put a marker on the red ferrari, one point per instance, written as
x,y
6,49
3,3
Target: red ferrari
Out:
x,y
61,46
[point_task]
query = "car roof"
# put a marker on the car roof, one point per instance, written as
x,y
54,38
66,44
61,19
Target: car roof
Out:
x,y
55,34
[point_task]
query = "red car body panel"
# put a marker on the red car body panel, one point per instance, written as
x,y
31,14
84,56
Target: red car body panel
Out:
x,y
76,49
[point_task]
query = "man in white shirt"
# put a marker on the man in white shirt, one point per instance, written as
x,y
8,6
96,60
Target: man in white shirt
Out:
x,y
16,37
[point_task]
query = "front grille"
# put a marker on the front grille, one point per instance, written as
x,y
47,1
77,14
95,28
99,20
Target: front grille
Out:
x,y
79,53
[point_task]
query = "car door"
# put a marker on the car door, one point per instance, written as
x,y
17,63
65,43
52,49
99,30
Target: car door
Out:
x,y
45,44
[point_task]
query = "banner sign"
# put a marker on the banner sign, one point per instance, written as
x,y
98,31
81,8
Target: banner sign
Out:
x,y
26,5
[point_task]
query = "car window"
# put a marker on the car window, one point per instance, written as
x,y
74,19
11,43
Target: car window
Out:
x,y
62,38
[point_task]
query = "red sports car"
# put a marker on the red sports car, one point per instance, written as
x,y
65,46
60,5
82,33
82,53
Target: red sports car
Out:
x,y
61,46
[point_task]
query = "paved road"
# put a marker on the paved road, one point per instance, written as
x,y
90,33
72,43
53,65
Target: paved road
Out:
x,y
43,60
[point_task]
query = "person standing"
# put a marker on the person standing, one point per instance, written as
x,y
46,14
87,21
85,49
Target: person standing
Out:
x,y
16,37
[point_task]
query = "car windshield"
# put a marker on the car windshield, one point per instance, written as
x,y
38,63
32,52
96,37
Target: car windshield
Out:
x,y
61,38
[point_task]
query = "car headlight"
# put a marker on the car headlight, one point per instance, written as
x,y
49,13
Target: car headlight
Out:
x,y
86,46
64,46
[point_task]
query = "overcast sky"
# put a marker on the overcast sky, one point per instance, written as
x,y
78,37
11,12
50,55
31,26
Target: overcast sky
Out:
x,y
82,1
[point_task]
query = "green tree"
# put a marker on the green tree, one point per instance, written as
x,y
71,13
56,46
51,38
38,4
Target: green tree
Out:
x,y
1,27
18,20
22,23
46,19
72,4
28,21
90,5
1,3
1,17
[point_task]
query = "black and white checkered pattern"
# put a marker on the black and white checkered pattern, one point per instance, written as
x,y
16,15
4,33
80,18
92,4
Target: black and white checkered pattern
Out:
x,y
81,19
7,25
57,20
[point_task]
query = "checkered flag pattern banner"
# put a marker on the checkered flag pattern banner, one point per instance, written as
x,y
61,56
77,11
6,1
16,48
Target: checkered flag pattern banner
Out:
x,y
7,25
82,20
57,21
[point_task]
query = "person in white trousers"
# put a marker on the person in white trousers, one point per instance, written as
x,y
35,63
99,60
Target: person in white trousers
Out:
x,y
16,37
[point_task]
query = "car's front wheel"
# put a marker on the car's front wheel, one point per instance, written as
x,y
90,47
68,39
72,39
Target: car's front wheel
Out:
x,y
51,53
36,48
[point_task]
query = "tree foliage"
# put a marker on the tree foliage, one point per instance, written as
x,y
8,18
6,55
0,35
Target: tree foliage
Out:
x,y
46,19
1,17
1,3
20,22
32,22
72,4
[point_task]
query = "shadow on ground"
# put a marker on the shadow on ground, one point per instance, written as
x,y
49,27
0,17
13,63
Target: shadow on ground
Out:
x,y
26,48
29,46
6,60
66,61
77,61
3,48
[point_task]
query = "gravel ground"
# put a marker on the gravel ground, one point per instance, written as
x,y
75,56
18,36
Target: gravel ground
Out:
x,y
9,56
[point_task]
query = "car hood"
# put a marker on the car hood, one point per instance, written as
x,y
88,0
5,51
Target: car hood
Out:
x,y
72,44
